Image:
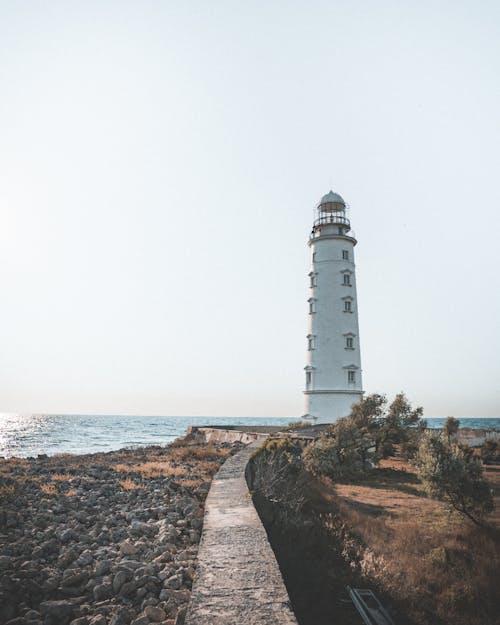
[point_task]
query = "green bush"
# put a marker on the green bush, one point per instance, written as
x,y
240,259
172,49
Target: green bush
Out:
x,y
344,451
453,475
490,452
450,427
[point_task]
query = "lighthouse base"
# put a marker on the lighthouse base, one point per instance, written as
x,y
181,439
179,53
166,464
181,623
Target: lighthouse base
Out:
x,y
328,406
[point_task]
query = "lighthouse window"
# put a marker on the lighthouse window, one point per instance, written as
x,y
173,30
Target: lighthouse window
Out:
x,y
312,277
351,376
347,306
308,378
310,342
312,306
347,279
345,254
349,343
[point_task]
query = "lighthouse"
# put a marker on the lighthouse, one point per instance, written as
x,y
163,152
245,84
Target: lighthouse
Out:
x,y
333,370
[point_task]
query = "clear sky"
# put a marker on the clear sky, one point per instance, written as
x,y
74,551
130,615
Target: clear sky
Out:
x,y
159,163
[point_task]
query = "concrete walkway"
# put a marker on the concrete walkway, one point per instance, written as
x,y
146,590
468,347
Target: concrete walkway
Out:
x,y
238,579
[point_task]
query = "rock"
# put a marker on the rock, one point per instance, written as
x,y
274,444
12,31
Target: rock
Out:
x,y
67,557
82,620
85,558
181,616
5,562
142,620
174,582
138,528
50,584
100,619
102,567
74,577
119,579
66,535
165,594
32,615
127,548
102,591
194,537
57,612
154,613
128,588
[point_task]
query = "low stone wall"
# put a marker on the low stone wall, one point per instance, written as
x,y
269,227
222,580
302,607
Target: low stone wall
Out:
x,y
221,435
238,579
475,437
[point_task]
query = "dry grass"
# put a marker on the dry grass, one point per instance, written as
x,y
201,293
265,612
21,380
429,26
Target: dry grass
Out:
x,y
71,492
61,477
129,484
197,452
157,468
7,491
438,565
190,482
121,468
49,489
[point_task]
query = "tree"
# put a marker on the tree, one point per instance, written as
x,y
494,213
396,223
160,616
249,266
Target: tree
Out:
x,y
490,452
396,426
451,474
344,451
450,427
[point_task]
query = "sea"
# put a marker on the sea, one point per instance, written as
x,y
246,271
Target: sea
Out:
x,y
34,434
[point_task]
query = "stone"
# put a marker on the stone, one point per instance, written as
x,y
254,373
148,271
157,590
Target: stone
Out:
x,y
59,612
138,528
181,616
5,562
127,548
174,582
127,588
102,567
154,613
142,620
165,594
74,577
66,535
99,619
32,615
102,591
85,558
119,579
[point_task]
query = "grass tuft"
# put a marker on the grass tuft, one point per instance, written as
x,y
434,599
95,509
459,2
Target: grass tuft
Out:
x,y
129,484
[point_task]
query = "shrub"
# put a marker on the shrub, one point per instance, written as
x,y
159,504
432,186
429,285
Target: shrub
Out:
x,y
451,474
450,427
344,451
490,452
297,425
401,424
398,424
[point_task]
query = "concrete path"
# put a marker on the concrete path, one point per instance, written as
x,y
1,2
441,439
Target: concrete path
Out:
x,y
238,579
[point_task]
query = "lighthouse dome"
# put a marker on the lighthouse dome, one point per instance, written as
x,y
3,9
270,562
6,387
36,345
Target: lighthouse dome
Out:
x,y
331,201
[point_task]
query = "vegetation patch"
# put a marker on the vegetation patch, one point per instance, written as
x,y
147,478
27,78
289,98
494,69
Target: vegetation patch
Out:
x,y
378,502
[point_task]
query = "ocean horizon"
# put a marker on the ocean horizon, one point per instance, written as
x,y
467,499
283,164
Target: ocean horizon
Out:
x,y
27,435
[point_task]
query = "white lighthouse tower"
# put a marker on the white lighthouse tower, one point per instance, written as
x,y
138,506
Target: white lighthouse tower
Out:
x,y
333,371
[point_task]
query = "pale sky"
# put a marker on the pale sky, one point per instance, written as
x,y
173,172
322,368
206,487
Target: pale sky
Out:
x,y
159,163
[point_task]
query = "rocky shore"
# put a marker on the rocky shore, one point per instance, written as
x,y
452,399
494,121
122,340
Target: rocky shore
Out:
x,y
103,539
